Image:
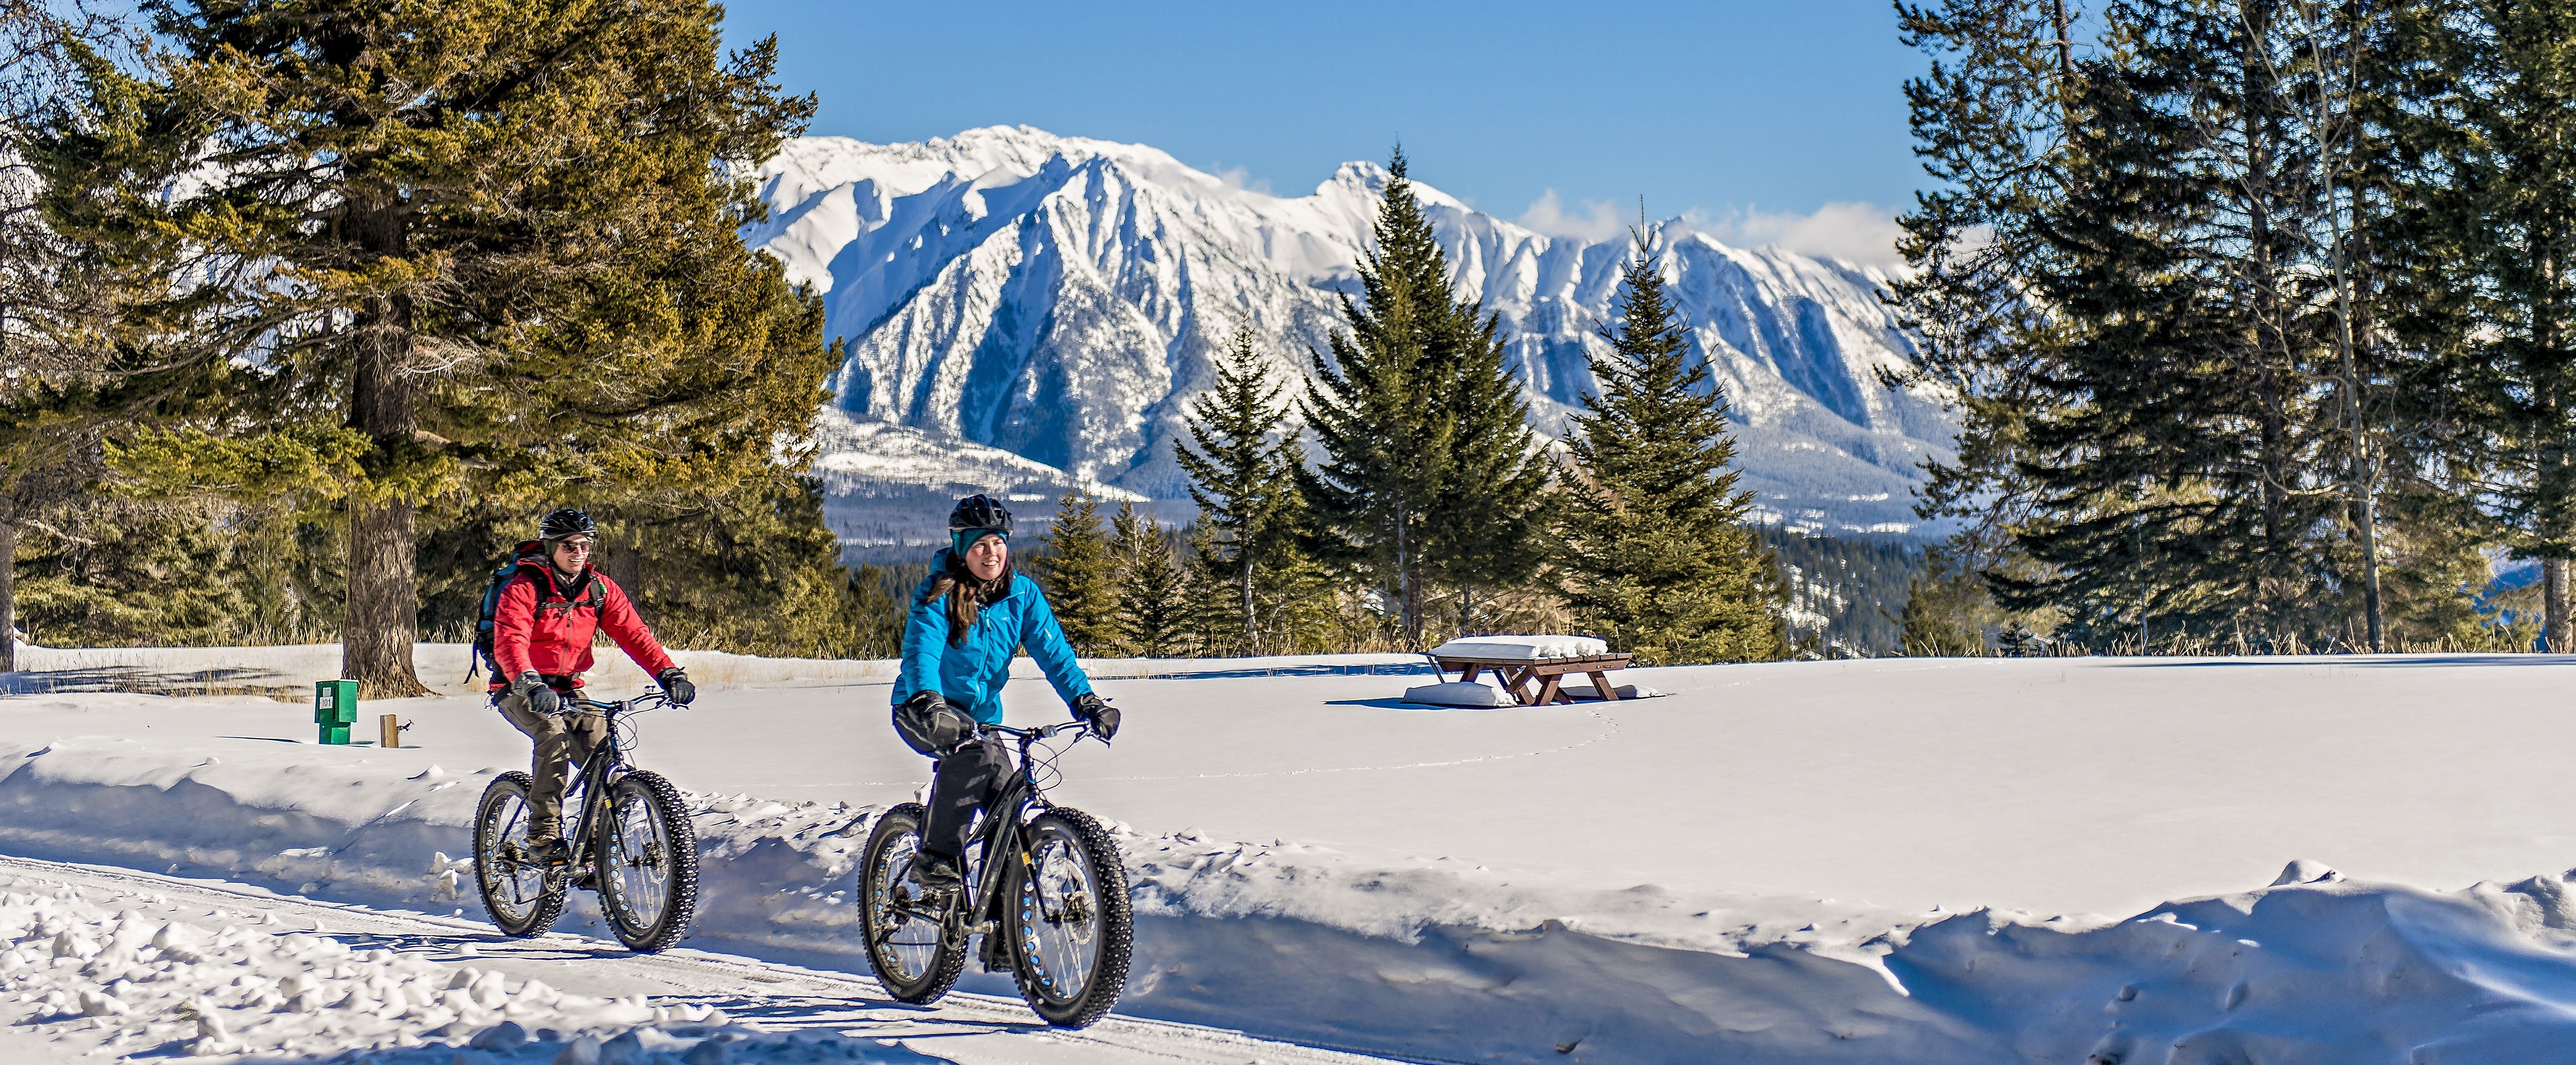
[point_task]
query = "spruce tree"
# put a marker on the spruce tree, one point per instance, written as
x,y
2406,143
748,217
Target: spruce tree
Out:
x,y
515,271
1380,411
1154,596
1483,533
2501,209
1081,575
1243,476
1657,557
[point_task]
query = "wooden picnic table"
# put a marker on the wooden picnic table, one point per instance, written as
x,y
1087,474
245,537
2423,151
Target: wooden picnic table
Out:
x,y
1517,673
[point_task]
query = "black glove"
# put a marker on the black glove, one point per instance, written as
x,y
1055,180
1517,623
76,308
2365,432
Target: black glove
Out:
x,y
542,700
1096,710
929,725
676,685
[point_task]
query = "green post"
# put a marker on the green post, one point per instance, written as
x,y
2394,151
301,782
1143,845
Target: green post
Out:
x,y
335,707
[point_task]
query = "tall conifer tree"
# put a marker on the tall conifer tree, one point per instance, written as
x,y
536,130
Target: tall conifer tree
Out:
x,y
1153,588
1427,473
1657,557
1483,535
489,245
1243,476
2508,212
1081,575
1377,410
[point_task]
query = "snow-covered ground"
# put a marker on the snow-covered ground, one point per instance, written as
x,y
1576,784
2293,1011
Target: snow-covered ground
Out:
x,y
1906,860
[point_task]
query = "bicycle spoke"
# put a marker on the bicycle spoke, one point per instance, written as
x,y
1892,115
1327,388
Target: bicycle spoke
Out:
x,y
640,889
911,946
1058,918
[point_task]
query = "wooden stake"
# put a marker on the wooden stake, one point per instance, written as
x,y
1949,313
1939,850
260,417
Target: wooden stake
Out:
x,y
388,731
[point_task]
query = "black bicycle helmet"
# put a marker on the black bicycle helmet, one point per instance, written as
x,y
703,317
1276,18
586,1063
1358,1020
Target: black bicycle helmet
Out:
x,y
979,512
570,521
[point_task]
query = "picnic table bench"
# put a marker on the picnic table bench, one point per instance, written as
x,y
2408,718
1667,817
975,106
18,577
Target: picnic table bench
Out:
x,y
1519,661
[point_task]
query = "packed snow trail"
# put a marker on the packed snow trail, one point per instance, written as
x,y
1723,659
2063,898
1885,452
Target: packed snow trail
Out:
x,y
1316,864
108,961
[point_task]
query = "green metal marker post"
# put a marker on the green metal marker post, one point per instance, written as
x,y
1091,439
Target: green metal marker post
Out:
x,y
335,707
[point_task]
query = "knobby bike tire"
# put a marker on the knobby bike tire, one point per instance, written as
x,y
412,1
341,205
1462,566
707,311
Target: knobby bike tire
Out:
x,y
1076,1007
878,878
541,913
661,802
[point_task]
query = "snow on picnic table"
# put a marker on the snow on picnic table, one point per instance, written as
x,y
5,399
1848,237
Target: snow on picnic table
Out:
x,y
1818,861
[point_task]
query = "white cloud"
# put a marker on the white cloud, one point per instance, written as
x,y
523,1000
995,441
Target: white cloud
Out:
x,y
1596,220
1241,178
1856,232
1861,233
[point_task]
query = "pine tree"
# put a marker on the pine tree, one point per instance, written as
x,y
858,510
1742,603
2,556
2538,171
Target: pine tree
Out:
x,y
116,573
1430,472
1657,556
1483,533
1243,476
519,274
59,391
2499,207
1081,575
1154,596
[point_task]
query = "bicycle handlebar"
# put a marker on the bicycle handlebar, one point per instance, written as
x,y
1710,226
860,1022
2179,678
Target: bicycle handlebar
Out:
x,y
1038,733
651,698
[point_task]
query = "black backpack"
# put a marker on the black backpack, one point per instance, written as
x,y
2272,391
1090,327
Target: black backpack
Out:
x,y
528,553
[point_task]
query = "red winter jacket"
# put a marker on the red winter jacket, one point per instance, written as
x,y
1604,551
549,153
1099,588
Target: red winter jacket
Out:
x,y
554,639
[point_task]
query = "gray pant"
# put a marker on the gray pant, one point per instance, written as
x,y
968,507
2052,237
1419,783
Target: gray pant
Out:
x,y
569,736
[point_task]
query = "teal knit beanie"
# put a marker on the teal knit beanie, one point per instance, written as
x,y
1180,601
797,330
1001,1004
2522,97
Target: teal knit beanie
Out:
x,y
961,539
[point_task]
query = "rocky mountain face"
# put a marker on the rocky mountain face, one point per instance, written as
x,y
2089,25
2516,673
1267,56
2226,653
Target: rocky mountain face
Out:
x,y
1060,299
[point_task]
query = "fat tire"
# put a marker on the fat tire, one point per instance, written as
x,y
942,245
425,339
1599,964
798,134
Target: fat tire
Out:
x,y
550,902
1117,931
950,961
663,802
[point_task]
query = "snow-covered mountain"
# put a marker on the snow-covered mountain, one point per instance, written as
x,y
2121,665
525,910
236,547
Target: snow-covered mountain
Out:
x,y
1060,299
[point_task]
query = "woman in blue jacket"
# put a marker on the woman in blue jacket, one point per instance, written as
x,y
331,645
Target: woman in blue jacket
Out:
x,y
968,617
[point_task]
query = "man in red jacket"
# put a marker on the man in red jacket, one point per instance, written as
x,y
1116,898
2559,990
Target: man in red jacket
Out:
x,y
541,636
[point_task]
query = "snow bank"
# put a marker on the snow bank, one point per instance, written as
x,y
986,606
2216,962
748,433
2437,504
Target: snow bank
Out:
x,y
1313,944
100,972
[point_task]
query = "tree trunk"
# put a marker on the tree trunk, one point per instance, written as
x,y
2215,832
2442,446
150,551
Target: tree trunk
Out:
x,y
2553,605
1251,619
1408,607
8,586
623,562
382,617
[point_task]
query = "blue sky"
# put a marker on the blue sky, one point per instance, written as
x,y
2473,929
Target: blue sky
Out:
x,y
1768,120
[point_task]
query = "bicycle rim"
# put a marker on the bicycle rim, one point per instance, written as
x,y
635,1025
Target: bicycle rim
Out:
x,y
639,859
906,945
512,884
1059,924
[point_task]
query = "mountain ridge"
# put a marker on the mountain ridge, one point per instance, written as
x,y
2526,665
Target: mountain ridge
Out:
x,y
1061,299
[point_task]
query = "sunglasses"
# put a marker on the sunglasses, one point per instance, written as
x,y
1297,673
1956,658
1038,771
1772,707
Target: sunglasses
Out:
x,y
578,547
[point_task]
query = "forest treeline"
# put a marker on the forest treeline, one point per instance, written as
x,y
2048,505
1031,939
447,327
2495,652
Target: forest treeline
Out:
x,y
2260,316
310,307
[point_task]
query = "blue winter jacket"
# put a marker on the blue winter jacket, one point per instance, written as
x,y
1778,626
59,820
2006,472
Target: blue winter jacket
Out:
x,y
971,676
